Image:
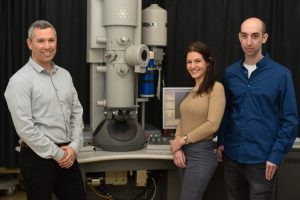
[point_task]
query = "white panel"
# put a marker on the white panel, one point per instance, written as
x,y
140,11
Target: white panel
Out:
x,y
96,35
97,84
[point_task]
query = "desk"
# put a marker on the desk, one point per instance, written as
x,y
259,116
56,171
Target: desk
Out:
x,y
101,161
93,161
144,159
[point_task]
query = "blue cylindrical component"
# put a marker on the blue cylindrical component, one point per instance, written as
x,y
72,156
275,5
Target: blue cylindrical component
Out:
x,y
147,80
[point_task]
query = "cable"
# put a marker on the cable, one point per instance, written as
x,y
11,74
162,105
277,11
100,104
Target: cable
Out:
x,y
98,194
154,193
149,192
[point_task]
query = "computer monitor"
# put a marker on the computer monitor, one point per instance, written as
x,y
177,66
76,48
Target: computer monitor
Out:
x,y
171,99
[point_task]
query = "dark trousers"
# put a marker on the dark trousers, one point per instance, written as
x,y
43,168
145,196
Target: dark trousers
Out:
x,y
201,162
44,177
247,181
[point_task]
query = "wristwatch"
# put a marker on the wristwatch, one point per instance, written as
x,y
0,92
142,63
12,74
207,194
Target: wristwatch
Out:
x,y
186,139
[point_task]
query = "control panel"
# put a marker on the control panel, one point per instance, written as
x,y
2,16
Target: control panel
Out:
x,y
157,141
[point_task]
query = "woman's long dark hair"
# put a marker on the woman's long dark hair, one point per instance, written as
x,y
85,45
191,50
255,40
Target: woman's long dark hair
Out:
x,y
209,77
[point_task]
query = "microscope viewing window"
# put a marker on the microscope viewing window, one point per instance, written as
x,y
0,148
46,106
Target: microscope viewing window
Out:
x,y
172,97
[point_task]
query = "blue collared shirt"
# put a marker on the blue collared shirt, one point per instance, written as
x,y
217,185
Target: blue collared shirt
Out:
x,y
45,109
260,120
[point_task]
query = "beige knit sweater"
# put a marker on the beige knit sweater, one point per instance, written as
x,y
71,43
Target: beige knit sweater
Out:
x,y
201,115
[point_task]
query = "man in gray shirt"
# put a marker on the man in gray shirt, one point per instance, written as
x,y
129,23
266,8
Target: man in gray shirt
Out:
x,y
47,116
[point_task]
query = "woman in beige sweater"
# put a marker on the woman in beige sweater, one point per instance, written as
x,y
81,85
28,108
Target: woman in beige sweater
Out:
x,y
201,114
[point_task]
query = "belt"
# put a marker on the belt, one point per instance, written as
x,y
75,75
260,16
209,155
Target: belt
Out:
x,y
24,145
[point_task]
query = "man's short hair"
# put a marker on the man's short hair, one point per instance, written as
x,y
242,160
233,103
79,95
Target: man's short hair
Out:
x,y
41,24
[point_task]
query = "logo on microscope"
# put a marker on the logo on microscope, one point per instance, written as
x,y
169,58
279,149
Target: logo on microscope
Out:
x,y
149,24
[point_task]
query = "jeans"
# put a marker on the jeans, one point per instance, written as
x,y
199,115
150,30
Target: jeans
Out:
x,y
42,177
201,162
247,181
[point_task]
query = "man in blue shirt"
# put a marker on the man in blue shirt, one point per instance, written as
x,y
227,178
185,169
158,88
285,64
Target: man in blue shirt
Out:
x,y
260,121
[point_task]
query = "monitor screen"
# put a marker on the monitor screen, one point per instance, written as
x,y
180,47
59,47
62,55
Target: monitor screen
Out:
x,y
172,97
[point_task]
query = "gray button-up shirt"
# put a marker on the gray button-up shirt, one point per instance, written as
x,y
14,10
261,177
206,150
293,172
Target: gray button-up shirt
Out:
x,y
45,109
